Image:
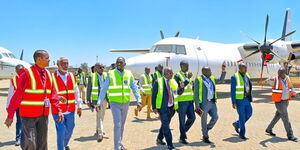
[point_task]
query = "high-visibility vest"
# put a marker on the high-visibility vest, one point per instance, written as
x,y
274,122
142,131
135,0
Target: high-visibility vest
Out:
x,y
67,91
146,85
277,89
240,86
78,77
95,85
200,79
158,75
33,101
119,87
160,92
187,94
14,82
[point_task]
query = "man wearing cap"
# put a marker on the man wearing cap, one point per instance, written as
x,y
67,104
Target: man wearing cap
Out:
x,y
241,97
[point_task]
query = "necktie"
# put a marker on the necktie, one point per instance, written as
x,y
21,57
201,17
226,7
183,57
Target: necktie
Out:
x,y
170,100
43,75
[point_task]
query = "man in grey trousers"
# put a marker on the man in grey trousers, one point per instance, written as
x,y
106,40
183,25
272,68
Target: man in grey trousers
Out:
x,y
205,97
282,92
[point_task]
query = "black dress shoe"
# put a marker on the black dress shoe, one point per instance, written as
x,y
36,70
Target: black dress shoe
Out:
x,y
270,133
170,147
243,138
123,148
236,128
160,142
67,148
293,139
183,141
206,140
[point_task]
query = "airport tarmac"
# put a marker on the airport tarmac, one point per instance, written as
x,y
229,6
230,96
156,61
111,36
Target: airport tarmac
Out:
x,y
141,134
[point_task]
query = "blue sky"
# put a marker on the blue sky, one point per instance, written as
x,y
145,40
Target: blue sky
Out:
x,y
81,30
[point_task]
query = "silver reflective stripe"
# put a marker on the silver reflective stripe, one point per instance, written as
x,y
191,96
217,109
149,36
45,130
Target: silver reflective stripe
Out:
x,y
277,91
119,94
32,103
33,83
239,92
114,87
37,91
277,83
187,93
94,93
113,77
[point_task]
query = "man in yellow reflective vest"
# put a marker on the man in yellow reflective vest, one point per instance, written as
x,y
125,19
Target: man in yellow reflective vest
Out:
x,y
119,83
205,96
145,86
241,97
159,72
185,101
81,82
164,91
95,83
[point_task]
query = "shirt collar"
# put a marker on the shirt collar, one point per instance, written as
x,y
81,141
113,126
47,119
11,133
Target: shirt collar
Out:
x,y
38,68
58,73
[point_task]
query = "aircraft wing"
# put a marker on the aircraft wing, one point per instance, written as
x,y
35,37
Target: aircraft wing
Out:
x,y
142,51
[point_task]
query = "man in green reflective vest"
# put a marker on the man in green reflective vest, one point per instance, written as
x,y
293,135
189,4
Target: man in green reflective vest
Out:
x,y
81,82
159,72
205,97
145,86
185,101
241,97
119,83
164,91
95,83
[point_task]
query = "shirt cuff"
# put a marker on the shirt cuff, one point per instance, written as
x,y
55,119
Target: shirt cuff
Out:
x,y
11,114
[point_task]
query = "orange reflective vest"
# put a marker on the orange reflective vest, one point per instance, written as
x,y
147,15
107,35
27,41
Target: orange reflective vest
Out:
x,y
67,91
34,103
277,89
14,82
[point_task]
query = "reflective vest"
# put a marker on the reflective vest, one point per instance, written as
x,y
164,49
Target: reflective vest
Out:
x,y
14,82
78,78
146,85
187,94
160,92
67,91
200,79
240,86
158,74
95,85
33,101
277,89
119,87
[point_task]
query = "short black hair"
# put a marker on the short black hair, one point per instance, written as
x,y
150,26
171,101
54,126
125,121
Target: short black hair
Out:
x,y
39,53
184,63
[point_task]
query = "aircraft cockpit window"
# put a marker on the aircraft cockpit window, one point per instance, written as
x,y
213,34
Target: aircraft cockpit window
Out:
x,y
163,48
11,55
5,55
0,56
180,49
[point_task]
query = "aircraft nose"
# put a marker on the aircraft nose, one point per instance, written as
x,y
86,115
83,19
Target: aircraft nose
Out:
x,y
137,64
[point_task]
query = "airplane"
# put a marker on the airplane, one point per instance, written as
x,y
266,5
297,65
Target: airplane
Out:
x,y
8,62
268,55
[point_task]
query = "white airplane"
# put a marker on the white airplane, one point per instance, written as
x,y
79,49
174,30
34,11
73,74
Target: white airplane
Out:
x,y
8,62
267,55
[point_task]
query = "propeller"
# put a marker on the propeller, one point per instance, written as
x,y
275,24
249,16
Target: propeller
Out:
x,y
265,47
162,34
177,34
21,56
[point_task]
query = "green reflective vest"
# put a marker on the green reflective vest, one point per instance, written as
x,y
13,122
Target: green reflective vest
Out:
x,y
240,86
201,87
158,75
95,85
78,78
160,92
146,85
188,94
119,87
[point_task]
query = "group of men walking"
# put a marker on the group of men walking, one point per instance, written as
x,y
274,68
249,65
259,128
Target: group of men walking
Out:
x,y
34,90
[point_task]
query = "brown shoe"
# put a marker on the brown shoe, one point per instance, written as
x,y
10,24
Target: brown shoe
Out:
x,y
100,138
136,112
149,118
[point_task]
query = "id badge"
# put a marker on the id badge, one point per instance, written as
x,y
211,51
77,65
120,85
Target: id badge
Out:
x,y
47,102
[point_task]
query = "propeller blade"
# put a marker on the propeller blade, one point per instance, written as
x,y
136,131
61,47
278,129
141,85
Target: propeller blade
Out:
x,y
161,34
249,37
257,51
21,56
266,28
262,67
283,37
177,34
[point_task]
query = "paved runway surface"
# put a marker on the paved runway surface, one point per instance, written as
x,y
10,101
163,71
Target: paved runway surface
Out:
x,y
141,134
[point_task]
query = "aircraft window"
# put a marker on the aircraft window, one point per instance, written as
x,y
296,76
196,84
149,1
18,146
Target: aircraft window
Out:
x,y
228,63
180,49
163,48
234,64
231,64
11,55
0,56
5,54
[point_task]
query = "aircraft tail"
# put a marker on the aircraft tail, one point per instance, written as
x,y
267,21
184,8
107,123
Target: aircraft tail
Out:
x,y
287,25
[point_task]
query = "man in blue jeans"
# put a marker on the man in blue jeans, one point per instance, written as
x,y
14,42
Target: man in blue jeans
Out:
x,y
67,89
241,97
11,91
185,101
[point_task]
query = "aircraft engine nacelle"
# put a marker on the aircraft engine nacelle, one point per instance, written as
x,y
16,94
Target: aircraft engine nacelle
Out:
x,y
296,58
294,47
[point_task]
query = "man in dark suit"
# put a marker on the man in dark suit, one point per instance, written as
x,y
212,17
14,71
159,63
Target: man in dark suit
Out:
x,y
163,93
241,97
